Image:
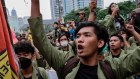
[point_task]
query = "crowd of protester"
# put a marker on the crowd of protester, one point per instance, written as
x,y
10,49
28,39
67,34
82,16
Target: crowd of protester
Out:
x,y
84,49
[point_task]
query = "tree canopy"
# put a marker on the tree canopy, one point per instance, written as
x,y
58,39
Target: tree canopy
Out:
x,y
125,8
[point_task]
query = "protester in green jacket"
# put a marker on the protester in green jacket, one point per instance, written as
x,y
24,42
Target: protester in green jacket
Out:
x,y
116,44
131,39
90,40
113,21
55,33
134,33
65,45
135,40
25,53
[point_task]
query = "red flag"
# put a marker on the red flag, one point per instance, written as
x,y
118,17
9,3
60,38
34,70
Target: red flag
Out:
x,y
13,36
8,66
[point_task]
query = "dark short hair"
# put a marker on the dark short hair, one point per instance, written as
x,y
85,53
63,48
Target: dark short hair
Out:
x,y
55,23
64,25
100,31
24,46
119,36
63,34
126,31
81,12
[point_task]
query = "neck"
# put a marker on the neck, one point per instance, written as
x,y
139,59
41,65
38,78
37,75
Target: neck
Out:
x,y
27,71
65,48
116,52
90,61
56,28
82,19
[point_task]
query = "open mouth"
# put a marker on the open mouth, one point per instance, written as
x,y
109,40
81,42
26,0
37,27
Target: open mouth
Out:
x,y
112,46
80,49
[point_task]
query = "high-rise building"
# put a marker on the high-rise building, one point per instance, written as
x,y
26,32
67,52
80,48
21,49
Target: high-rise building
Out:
x,y
52,4
69,5
100,3
13,13
83,3
54,8
13,20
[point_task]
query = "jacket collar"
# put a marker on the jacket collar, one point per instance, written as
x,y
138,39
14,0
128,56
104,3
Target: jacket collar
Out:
x,y
122,53
74,71
34,74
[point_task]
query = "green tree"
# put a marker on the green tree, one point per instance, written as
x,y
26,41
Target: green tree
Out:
x,y
125,8
73,14
101,13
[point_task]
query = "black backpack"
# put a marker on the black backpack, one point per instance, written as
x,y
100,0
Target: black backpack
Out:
x,y
73,61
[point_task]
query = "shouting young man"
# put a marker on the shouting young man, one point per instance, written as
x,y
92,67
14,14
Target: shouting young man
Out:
x,y
90,40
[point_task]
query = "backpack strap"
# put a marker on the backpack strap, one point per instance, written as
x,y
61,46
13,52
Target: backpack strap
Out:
x,y
107,70
70,64
39,74
73,61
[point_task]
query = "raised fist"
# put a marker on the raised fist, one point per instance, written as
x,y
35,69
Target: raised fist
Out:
x,y
92,5
129,27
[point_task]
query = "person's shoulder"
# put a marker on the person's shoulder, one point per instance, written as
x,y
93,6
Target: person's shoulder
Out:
x,y
41,69
131,39
108,15
43,72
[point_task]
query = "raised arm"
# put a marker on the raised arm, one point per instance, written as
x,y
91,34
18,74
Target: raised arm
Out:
x,y
92,7
125,41
108,22
35,8
134,33
54,57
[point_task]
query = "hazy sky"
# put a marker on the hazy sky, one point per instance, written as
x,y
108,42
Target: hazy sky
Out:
x,y
23,8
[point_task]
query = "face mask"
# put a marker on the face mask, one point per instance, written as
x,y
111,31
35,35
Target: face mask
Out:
x,y
64,43
25,62
67,25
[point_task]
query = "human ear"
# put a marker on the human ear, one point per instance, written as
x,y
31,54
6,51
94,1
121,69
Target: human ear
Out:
x,y
101,43
122,44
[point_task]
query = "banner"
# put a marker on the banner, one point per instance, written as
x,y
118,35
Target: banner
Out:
x,y
8,66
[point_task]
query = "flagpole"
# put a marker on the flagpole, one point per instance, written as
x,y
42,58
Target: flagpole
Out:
x,y
5,13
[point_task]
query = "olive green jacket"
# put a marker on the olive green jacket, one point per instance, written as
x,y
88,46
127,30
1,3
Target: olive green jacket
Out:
x,y
109,23
123,67
133,43
53,33
69,49
35,73
121,54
